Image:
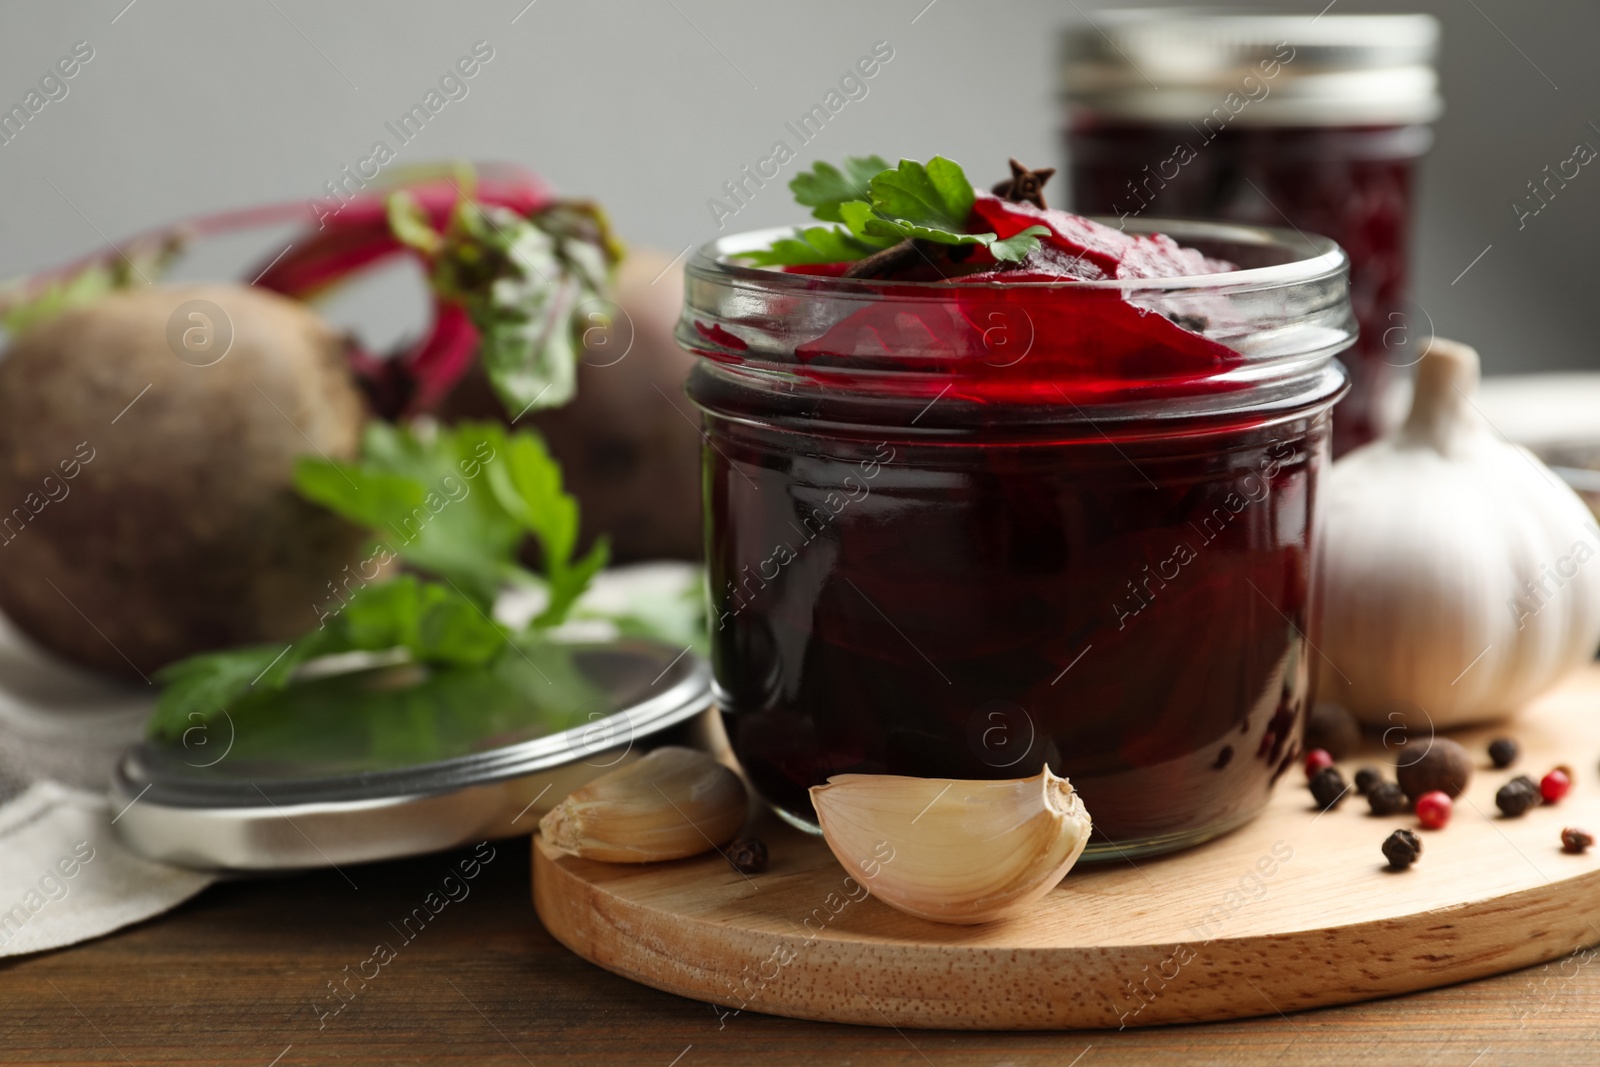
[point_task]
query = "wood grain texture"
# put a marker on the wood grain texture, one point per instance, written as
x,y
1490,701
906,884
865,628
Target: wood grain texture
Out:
x,y
235,976
1295,910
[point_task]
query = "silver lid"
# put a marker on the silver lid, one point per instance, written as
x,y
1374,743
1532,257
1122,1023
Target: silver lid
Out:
x,y
391,761
1181,64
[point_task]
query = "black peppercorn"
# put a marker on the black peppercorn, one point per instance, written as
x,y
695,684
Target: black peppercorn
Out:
x,y
1401,849
1517,796
1444,766
747,854
1331,726
1367,778
1502,752
1328,788
1387,798
1576,840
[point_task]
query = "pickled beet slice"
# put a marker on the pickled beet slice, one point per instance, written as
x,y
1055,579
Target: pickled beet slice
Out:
x,y
989,337
1114,253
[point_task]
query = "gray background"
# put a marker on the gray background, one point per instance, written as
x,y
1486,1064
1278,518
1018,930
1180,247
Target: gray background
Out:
x,y
650,105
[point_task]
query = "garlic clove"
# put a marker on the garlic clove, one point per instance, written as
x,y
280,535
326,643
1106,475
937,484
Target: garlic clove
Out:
x,y
953,851
674,802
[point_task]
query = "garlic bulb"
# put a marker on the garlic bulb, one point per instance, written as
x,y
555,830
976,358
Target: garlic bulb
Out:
x,y
673,803
953,851
1459,578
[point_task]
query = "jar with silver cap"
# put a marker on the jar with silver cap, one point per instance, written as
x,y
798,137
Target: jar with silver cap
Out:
x,y
1315,122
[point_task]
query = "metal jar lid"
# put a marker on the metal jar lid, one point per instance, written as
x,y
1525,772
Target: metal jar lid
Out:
x,y
390,761
1179,65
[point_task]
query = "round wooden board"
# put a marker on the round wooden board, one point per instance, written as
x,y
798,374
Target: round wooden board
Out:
x,y
1295,910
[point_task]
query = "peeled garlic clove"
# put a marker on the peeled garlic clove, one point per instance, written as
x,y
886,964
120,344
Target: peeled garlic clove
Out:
x,y
953,851
673,803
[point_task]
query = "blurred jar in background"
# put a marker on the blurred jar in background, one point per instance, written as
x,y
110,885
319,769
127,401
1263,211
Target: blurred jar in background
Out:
x,y
1277,120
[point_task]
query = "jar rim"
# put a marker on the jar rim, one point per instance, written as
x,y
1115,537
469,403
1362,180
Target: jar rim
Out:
x,y
1215,340
1314,257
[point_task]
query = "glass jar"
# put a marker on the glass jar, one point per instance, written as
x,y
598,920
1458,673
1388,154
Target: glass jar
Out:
x,y
1311,122
971,530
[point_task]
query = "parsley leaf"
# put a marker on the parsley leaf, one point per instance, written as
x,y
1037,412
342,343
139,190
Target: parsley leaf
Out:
x,y
527,483
824,187
459,503
818,244
933,203
200,686
936,196
422,496
431,622
405,714
925,202
1011,250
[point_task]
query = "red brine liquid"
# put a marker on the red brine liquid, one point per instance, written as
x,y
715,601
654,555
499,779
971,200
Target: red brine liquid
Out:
x,y
940,546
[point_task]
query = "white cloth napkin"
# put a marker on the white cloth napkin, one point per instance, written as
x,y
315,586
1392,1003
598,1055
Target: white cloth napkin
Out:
x,y
64,876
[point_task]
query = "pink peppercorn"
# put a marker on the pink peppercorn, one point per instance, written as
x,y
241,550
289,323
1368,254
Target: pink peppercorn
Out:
x,y
1555,785
1433,810
1318,759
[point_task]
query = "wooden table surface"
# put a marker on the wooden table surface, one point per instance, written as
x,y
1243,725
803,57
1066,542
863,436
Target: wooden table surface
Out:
x,y
241,974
